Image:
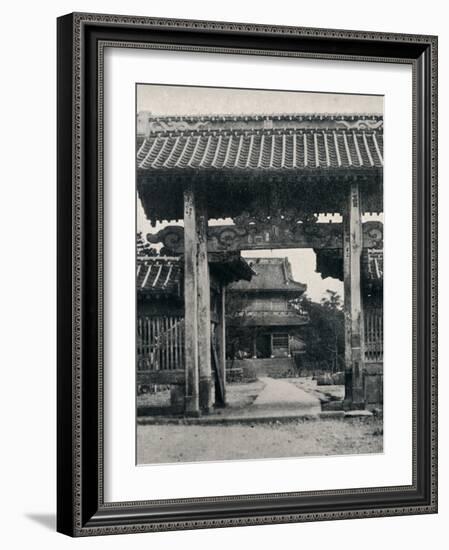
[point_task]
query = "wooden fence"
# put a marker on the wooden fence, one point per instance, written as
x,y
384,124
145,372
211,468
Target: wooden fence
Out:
x,y
160,343
374,334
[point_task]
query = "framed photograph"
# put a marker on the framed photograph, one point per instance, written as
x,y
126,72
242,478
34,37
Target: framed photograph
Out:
x,y
247,282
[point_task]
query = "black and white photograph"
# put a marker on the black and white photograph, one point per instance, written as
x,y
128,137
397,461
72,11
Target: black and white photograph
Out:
x,y
259,274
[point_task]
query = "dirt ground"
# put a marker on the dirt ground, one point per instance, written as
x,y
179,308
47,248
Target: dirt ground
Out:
x,y
181,443
238,396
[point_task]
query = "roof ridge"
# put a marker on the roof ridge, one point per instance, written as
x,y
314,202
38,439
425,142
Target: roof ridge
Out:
x,y
258,115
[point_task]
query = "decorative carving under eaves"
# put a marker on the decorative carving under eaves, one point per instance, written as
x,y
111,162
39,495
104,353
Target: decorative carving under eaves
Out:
x,y
223,238
280,218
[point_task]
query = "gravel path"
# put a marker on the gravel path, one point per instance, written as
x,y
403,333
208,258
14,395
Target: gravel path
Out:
x,y
282,394
173,443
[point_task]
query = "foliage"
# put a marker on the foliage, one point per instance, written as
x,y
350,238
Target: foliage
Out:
x,y
324,335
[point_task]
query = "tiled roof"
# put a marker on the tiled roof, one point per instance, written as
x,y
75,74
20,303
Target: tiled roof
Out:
x,y
329,263
271,274
262,142
163,275
159,275
263,149
373,264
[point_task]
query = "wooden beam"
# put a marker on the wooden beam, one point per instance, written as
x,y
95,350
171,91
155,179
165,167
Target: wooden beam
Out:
x,y
191,305
229,238
203,319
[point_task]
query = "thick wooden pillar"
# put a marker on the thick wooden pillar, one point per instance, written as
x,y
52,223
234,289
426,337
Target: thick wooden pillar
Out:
x,y
221,337
191,305
354,340
203,319
347,306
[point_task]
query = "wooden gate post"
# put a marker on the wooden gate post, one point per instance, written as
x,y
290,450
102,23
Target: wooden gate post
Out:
x,y
347,305
221,337
354,338
203,319
190,305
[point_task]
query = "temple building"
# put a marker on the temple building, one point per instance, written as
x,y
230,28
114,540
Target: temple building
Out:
x,y
263,317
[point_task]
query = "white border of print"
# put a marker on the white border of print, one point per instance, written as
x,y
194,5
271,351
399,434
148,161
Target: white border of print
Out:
x,y
123,480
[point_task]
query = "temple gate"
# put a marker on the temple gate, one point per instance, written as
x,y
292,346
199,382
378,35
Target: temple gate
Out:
x,y
271,177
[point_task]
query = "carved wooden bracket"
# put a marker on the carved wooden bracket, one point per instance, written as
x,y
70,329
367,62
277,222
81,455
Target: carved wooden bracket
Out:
x,y
224,238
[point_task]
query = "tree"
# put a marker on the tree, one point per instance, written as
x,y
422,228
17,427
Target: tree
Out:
x,y
333,304
324,335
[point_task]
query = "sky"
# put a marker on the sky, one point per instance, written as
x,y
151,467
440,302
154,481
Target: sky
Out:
x,y
192,100
185,100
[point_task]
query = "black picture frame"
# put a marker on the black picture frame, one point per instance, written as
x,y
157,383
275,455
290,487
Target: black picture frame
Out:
x,y
81,509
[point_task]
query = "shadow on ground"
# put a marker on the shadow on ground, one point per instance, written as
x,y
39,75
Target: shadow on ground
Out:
x,y
46,520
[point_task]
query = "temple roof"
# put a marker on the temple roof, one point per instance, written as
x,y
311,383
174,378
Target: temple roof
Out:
x,y
229,159
163,275
263,143
159,275
271,275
